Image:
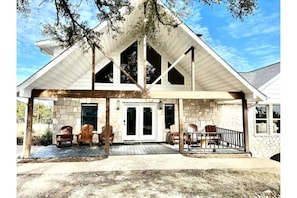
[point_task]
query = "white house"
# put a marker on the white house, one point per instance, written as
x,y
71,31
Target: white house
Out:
x,y
177,80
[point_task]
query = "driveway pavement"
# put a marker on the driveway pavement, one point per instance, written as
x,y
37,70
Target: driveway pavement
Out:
x,y
149,162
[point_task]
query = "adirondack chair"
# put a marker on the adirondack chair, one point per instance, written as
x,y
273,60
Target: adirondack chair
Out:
x,y
102,136
86,134
175,134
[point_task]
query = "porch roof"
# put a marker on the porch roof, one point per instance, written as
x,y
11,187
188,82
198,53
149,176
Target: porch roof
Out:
x,y
212,73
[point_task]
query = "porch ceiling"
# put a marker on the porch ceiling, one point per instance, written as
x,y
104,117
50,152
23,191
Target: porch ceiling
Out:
x,y
212,73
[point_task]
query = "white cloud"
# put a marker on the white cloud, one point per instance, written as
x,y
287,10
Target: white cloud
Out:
x,y
257,24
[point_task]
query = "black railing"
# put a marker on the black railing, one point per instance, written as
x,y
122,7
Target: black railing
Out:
x,y
221,139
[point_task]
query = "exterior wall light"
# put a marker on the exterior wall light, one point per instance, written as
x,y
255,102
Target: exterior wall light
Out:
x,y
118,105
160,105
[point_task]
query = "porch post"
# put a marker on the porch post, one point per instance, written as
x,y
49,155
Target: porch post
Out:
x,y
28,133
93,67
245,124
193,69
107,126
181,125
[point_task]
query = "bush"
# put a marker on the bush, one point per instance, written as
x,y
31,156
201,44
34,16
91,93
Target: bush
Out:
x,y
47,138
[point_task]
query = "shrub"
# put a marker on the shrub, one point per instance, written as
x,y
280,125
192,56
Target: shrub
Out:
x,y
47,138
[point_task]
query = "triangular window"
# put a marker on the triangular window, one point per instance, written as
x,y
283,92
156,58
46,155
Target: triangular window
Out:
x,y
105,75
129,63
153,65
175,77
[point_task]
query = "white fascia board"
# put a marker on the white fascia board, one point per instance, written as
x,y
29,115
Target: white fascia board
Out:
x,y
45,69
222,62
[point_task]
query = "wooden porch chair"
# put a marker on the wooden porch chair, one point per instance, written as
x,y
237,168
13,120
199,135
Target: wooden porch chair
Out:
x,y
86,134
193,128
214,138
102,136
65,135
175,134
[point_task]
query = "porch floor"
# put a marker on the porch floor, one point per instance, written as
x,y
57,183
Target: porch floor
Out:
x,y
67,151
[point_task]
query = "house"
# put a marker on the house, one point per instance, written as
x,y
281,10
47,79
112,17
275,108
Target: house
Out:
x,y
266,120
141,86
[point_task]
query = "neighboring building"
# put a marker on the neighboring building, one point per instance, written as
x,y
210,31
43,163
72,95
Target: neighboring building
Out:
x,y
178,80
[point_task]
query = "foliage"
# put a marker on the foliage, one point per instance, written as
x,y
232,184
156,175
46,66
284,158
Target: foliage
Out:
x,y
47,138
41,113
68,27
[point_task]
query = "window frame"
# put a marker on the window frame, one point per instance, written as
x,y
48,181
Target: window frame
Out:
x,y
94,118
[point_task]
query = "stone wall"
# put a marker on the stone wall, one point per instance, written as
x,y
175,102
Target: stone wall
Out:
x,y
199,112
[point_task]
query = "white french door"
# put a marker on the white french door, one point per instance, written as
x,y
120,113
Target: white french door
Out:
x,y
140,121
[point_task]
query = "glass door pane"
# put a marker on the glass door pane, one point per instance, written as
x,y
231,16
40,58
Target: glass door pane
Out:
x,y
131,121
147,121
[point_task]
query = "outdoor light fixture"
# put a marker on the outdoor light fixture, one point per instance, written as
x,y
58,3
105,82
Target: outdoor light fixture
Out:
x,y
118,105
160,105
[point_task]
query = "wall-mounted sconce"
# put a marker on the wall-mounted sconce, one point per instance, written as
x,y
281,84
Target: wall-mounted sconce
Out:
x,y
118,105
160,105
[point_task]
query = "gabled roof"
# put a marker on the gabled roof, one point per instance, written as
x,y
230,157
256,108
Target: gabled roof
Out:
x,y
262,75
212,73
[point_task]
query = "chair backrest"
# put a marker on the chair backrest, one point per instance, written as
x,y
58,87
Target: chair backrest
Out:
x,y
174,130
86,131
110,131
192,128
210,128
67,130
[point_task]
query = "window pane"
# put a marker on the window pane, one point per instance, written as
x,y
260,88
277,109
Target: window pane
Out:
x,y
105,75
153,66
276,126
174,77
261,126
129,63
261,112
169,115
89,114
276,111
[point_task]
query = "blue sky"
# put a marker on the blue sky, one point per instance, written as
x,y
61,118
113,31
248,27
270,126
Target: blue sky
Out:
x,y
246,45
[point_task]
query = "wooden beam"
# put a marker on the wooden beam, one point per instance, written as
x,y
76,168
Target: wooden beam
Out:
x,y
195,95
193,69
57,93
144,62
107,126
181,125
93,67
28,133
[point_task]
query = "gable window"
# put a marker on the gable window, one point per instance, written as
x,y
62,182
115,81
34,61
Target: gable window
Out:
x,y
153,65
105,75
276,118
129,63
89,114
169,115
261,118
175,77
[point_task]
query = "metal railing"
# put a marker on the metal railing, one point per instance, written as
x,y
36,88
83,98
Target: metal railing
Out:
x,y
215,141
